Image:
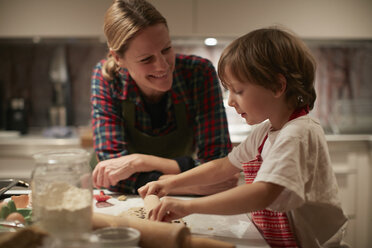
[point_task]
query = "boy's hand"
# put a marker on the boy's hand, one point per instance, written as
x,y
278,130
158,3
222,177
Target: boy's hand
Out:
x,y
158,188
170,209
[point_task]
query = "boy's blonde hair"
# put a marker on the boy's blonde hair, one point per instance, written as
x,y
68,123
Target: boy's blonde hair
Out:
x,y
123,20
260,56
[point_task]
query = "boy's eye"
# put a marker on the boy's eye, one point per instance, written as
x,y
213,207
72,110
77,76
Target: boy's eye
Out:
x,y
166,49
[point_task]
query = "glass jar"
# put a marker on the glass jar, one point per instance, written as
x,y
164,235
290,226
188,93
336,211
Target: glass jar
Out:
x,y
118,237
62,193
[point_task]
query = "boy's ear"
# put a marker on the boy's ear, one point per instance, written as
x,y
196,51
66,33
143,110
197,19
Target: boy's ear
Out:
x,y
282,81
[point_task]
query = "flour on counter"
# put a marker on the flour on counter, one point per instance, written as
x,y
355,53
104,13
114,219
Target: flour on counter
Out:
x,y
64,210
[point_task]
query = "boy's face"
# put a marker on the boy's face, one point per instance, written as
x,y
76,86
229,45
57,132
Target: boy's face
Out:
x,y
254,103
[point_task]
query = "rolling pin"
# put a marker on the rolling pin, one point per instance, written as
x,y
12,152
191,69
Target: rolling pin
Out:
x,y
158,234
153,234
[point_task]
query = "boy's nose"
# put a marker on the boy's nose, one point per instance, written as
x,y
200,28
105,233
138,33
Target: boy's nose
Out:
x,y
230,101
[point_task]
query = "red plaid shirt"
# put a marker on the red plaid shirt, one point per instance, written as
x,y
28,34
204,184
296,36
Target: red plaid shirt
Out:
x,y
195,83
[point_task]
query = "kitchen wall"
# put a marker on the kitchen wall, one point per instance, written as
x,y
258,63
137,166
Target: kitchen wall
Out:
x,y
25,69
337,31
343,105
344,92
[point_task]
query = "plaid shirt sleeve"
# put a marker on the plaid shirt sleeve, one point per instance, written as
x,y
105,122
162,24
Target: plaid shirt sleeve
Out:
x,y
107,123
211,129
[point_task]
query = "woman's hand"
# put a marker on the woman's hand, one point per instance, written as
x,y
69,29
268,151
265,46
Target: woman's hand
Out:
x,y
111,171
170,209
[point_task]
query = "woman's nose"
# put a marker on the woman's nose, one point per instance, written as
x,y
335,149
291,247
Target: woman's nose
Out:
x,y
161,63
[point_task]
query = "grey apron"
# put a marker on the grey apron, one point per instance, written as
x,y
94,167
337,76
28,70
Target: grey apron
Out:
x,y
175,144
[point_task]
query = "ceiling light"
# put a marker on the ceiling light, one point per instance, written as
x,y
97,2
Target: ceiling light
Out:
x,y
210,41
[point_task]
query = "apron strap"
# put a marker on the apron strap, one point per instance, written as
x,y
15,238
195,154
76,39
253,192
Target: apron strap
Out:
x,y
262,144
299,112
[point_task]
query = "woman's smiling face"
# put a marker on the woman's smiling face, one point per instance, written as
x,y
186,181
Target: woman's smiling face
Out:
x,y
150,60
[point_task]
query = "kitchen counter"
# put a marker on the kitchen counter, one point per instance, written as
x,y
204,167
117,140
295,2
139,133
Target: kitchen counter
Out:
x,y
238,136
351,156
25,146
16,152
236,229
348,137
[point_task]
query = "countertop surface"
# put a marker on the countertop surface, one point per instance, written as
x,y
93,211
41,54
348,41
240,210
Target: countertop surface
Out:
x,y
236,229
237,134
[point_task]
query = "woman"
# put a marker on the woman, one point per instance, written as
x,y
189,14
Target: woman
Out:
x,y
154,113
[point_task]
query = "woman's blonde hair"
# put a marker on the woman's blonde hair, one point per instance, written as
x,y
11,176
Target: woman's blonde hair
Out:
x,y
123,20
260,56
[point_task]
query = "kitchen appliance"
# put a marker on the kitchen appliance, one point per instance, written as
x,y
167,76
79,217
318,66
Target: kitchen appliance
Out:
x,y
6,184
17,115
59,77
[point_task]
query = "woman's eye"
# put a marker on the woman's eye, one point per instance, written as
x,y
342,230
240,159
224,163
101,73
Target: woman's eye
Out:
x,y
145,59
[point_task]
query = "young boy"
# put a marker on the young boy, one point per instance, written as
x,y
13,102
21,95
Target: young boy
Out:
x,y
291,190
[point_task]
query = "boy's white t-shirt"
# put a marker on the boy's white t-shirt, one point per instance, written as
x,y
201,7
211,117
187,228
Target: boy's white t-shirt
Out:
x,y
296,157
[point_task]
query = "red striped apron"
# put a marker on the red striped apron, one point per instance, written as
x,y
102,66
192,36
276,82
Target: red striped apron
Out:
x,y
274,226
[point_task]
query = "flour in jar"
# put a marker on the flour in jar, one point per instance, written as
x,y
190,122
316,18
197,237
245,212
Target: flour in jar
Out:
x,y
64,210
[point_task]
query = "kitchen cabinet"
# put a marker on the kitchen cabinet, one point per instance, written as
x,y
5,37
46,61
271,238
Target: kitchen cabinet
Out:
x,y
335,19
52,18
332,19
351,159
180,16
79,18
